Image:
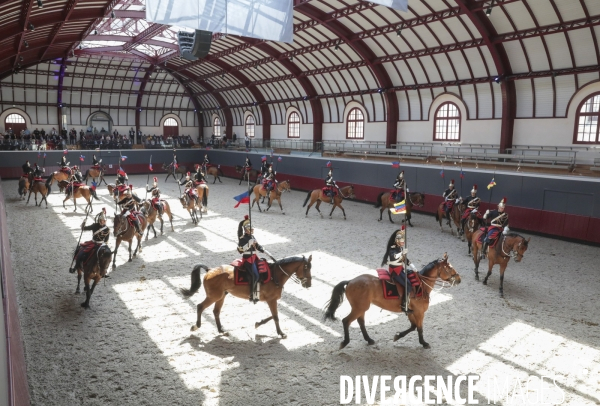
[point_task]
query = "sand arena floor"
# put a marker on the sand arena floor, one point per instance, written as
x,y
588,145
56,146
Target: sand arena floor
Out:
x,y
134,346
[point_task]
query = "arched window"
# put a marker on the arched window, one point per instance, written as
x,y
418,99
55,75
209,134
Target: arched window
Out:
x,y
294,125
447,123
250,126
14,124
355,127
217,127
170,127
586,124
15,118
170,122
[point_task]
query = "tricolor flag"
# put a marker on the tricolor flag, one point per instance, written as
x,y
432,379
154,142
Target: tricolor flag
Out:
x,y
328,164
244,198
279,159
81,158
123,158
399,208
491,184
442,173
263,158
395,164
94,184
150,167
462,174
272,153
44,155
39,154
65,151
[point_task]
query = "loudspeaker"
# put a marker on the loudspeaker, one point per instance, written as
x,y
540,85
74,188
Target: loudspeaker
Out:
x,y
194,45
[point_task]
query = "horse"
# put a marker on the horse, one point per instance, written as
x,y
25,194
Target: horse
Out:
x,y
245,174
95,173
93,270
385,202
507,246
24,184
41,187
347,192
202,191
275,194
219,281
215,171
471,225
81,191
455,215
171,171
123,231
58,176
365,290
151,215
190,205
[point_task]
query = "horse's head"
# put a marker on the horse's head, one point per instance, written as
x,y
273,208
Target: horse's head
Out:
x,y
304,273
518,247
417,199
120,225
285,186
473,221
350,192
446,271
238,169
104,256
184,201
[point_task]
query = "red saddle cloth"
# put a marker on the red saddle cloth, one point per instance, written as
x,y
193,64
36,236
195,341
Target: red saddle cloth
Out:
x,y
192,193
133,215
468,211
38,179
240,276
25,175
155,202
390,287
97,167
327,189
121,189
66,170
494,235
450,203
199,183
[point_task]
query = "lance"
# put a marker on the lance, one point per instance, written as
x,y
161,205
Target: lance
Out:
x,y
71,270
461,178
148,180
405,247
175,168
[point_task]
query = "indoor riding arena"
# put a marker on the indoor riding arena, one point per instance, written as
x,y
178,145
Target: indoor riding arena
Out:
x,y
403,145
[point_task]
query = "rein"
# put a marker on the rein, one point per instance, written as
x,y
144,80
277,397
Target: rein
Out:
x,y
293,277
411,202
443,284
342,193
512,253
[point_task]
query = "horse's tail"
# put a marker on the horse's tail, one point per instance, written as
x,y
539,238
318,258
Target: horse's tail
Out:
x,y
196,281
85,177
379,203
307,198
48,191
437,215
21,188
337,297
219,171
95,195
49,180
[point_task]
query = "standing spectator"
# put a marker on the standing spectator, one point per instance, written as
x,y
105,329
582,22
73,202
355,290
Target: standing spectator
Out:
x,y
81,134
43,133
247,141
234,138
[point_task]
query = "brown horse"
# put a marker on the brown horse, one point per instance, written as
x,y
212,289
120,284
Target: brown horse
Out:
x,y
93,270
171,171
347,192
252,173
190,205
507,246
219,281
275,194
58,176
215,171
151,215
95,173
365,290
123,231
455,215
202,191
24,183
41,187
385,202
471,225
82,191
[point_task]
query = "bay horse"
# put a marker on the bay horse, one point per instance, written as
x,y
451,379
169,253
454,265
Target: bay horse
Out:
x,y
215,171
58,176
123,231
24,183
275,194
346,192
471,225
83,191
94,270
252,173
219,281
507,246
366,289
41,187
95,173
190,205
151,215
385,201
202,191
171,171
455,214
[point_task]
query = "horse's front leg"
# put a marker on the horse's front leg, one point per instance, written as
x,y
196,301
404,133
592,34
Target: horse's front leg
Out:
x,y
200,308
317,207
138,247
74,203
148,232
161,227
275,314
476,259
401,334
88,294
280,206
502,269
390,216
418,320
77,291
130,244
490,266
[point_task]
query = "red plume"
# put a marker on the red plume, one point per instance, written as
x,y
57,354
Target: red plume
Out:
x,y
475,187
403,227
246,217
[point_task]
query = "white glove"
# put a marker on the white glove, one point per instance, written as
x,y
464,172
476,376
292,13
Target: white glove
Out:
x,y
407,190
486,214
445,199
405,251
474,210
506,230
412,267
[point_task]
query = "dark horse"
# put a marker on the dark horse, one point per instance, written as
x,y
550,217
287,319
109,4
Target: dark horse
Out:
x,y
24,183
38,186
171,171
385,202
93,270
472,224
365,290
252,172
216,172
123,231
219,281
507,246
455,214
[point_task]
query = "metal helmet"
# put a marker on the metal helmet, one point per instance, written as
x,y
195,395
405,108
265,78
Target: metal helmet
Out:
x,y
401,234
401,175
247,225
330,172
451,185
102,215
187,176
502,203
474,190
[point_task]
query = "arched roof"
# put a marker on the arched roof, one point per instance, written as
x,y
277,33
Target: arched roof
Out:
x,y
343,50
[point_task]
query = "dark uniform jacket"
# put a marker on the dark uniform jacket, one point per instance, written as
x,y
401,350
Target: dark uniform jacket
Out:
x,y
245,246
467,202
199,177
154,191
100,233
497,219
27,168
450,191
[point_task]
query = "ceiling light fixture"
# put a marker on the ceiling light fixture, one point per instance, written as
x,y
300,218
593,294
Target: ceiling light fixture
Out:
x,y
26,44
40,4
497,79
31,27
336,47
489,9
112,14
399,31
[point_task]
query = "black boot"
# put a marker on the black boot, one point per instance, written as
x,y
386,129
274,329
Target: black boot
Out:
x,y
161,210
404,305
136,224
484,247
75,268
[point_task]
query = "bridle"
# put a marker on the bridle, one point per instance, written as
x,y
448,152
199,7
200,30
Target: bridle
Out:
x,y
351,189
513,253
294,278
444,283
123,219
411,202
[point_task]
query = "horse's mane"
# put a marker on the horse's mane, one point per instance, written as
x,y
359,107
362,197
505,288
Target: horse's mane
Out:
x,y
518,235
429,266
287,260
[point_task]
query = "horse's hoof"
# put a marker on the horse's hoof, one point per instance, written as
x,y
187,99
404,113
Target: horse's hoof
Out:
x,y
224,333
426,346
330,217
85,306
370,342
130,259
485,281
343,344
410,225
396,337
283,213
77,291
379,220
114,267
194,328
345,218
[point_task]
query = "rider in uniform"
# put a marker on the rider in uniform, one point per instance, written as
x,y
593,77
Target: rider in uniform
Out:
x,y
395,257
200,180
247,165
247,246
190,190
37,171
264,168
100,235
472,203
128,209
450,197
270,178
398,194
155,193
27,169
330,183
205,162
95,161
76,176
498,223
121,177
63,162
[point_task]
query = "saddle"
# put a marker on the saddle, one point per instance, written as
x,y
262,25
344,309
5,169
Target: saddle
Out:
x,y
199,183
97,167
449,204
493,239
396,195
327,189
38,179
192,193
25,175
468,211
66,170
391,288
240,276
86,249
121,189
133,215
